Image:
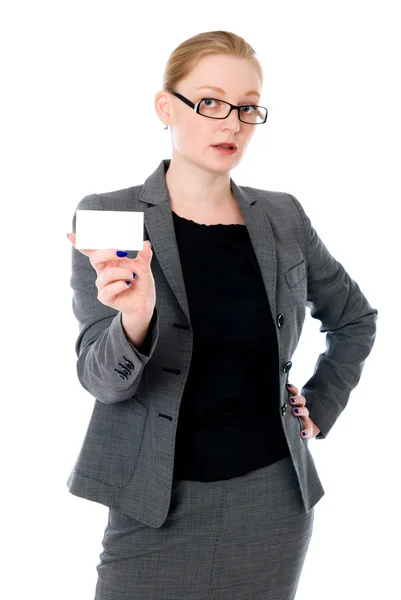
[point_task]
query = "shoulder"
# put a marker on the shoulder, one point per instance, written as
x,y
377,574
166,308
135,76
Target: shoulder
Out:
x,y
277,203
122,199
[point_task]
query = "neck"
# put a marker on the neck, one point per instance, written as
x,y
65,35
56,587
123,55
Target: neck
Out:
x,y
196,189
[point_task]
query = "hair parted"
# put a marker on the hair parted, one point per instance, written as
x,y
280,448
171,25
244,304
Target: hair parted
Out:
x,y
187,55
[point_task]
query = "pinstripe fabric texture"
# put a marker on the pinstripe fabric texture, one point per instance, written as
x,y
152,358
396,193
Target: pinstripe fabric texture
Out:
x,y
244,538
127,457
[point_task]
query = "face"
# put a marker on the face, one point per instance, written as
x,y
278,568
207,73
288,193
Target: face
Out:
x,y
192,134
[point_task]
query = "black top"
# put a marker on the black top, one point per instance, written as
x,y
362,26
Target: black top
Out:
x,y
230,419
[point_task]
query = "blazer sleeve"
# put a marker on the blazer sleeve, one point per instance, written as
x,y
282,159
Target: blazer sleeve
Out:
x,y
102,348
350,326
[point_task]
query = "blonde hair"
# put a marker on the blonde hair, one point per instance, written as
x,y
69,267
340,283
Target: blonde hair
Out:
x,y
187,55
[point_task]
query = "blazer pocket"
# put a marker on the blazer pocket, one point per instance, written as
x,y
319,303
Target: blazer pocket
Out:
x,y
113,442
296,274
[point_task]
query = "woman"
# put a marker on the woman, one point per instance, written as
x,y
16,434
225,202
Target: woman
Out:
x,y
187,348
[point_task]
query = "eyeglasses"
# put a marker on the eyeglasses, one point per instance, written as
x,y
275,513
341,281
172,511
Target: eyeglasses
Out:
x,y
219,109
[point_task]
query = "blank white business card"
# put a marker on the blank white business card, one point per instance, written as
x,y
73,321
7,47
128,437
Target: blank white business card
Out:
x,y
101,229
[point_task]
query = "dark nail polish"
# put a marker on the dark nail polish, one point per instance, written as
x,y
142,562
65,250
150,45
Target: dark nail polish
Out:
x,y
134,275
121,253
304,433
292,399
288,384
128,282
296,410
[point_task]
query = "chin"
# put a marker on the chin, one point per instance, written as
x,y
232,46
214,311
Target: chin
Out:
x,y
225,161
229,162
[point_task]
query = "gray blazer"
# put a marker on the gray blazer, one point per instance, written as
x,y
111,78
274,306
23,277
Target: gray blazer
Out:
x,y
126,460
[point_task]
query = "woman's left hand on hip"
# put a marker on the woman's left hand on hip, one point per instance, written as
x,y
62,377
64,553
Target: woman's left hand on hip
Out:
x,y
298,403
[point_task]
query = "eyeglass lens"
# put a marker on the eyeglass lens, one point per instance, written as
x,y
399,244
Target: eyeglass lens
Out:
x,y
218,109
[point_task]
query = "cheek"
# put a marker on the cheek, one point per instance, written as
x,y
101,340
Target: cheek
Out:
x,y
248,136
192,135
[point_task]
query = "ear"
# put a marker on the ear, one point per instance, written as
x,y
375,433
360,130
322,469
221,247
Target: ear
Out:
x,y
163,106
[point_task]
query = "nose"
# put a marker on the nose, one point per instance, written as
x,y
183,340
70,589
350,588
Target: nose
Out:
x,y
232,121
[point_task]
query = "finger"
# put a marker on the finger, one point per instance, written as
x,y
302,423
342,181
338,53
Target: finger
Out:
x,y
108,295
99,258
302,411
292,389
307,432
112,274
297,400
309,429
73,238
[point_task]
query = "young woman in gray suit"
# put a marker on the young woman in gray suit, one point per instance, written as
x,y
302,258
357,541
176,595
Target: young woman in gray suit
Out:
x,y
186,348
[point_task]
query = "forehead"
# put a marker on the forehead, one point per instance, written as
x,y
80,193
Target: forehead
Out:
x,y
227,73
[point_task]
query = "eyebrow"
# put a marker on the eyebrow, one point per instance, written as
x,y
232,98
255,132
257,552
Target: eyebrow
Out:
x,y
217,89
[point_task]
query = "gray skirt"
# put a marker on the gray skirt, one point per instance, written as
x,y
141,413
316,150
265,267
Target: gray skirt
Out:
x,y
243,538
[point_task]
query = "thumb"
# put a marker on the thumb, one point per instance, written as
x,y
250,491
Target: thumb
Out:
x,y
73,238
148,248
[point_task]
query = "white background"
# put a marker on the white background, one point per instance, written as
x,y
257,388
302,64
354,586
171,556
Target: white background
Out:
x,y
78,85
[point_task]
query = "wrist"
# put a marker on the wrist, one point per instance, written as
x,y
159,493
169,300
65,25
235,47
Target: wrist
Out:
x,y
135,328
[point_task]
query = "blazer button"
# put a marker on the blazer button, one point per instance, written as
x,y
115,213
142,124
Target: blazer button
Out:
x,y
124,370
287,366
120,374
128,363
280,320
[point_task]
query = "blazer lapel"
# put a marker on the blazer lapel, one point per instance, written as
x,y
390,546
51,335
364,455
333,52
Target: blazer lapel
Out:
x,y
159,224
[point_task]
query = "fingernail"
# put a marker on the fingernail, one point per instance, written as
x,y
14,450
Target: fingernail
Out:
x,y
292,400
121,253
134,275
288,384
304,433
68,235
150,243
128,282
296,410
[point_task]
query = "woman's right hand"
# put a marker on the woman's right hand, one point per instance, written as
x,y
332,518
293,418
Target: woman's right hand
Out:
x,y
136,299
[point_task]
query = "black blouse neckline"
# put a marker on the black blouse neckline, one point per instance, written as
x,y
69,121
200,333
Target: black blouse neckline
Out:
x,y
203,225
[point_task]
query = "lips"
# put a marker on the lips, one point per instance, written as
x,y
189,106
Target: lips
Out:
x,y
228,145
224,150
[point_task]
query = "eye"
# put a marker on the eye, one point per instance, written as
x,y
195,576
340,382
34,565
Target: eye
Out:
x,y
250,107
207,101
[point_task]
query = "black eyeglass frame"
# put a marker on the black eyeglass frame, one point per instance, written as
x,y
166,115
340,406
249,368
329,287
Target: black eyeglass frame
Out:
x,y
196,106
